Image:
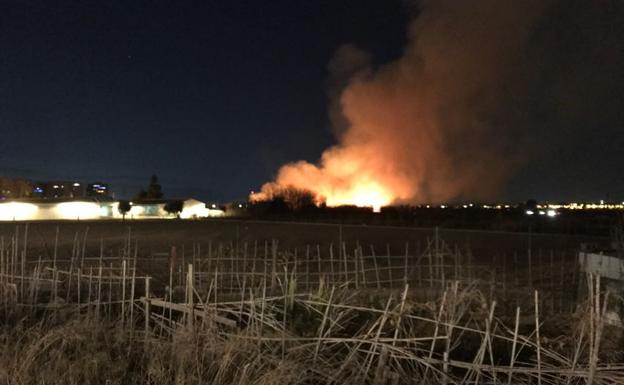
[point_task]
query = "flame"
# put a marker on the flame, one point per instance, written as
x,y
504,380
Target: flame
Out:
x,y
361,194
367,194
345,176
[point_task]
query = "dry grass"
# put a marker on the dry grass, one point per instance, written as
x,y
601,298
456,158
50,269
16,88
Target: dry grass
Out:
x,y
103,321
326,337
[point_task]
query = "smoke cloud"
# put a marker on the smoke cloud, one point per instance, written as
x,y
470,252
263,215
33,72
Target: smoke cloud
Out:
x,y
478,86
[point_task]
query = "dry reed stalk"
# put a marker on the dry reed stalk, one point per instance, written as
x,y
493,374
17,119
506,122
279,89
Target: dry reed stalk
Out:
x,y
190,295
377,279
242,300
99,293
512,359
323,322
253,263
148,311
273,263
537,339
319,267
23,267
133,284
263,305
450,320
89,290
331,263
110,291
436,330
577,352
400,315
307,268
405,264
343,251
3,272
123,292
597,325
373,348
84,247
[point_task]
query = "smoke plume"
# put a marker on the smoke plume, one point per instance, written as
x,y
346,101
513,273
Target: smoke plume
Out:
x,y
454,116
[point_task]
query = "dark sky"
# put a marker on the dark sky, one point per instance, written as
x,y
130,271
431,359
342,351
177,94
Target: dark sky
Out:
x,y
214,96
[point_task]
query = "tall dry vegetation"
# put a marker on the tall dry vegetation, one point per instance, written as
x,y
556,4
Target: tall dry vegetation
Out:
x,y
90,320
329,336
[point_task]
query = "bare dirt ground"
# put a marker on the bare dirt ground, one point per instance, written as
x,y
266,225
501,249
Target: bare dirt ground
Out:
x,y
158,236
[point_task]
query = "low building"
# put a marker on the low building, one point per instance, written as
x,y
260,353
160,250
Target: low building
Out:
x,y
156,209
52,209
92,209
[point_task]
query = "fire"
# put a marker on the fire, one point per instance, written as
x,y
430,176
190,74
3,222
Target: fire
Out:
x,y
360,194
345,176
367,194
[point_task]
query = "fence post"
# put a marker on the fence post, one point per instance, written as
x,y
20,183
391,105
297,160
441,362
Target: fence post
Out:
x,y
273,263
190,294
147,307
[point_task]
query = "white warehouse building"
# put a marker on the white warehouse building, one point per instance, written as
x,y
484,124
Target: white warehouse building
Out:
x,y
53,209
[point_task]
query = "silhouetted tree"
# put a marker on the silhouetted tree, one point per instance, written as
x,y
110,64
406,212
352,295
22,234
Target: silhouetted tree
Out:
x,y
141,195
154,190
298,198
174,207
123,208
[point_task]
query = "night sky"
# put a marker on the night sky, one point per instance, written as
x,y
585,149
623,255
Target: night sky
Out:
x,y
214,96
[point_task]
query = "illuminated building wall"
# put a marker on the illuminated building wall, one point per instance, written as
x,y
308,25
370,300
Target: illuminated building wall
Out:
x,y
90,210
25,211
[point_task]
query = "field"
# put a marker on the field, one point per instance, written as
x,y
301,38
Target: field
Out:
x,y
242,302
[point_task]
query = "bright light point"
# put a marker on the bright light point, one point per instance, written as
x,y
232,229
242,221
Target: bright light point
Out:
x,y
529,212
602,202
551,213
240,206
442,206
542,212
214,206
76,184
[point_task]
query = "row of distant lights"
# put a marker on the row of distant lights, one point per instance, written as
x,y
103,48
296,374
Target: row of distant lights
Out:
x,y
548,207
75,185
97,186
549,213
587,206
472,205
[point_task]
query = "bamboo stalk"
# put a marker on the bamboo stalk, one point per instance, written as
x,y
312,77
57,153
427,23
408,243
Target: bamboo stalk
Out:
x,y
512,359
322,327
537,338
